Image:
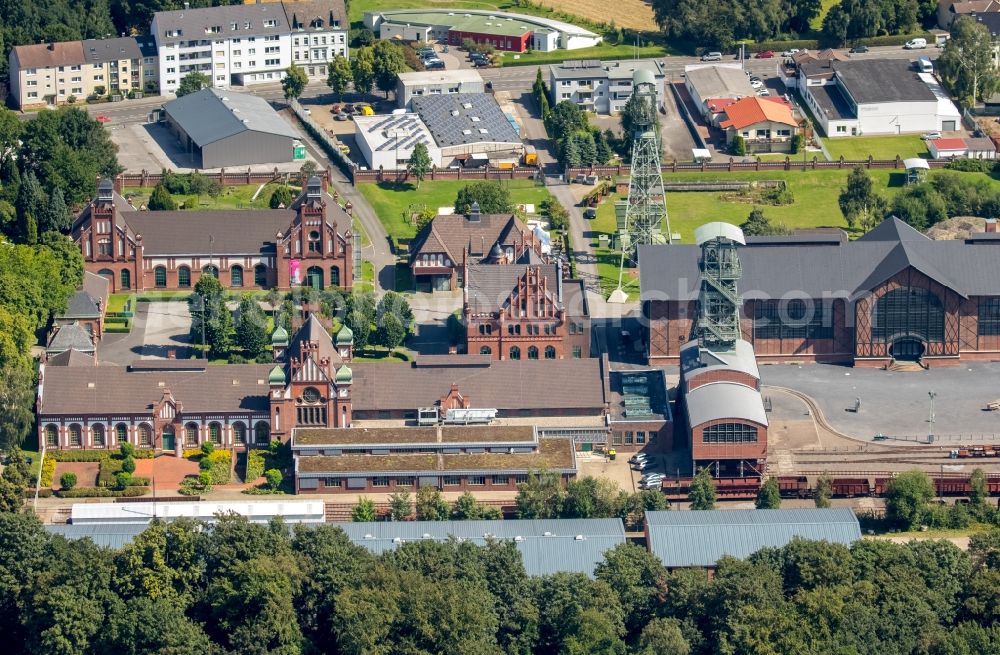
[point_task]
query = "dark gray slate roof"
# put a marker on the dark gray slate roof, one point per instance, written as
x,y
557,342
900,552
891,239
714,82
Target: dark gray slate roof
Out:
x,y
776,270
98,51
81,305
193,23
882,80
547,546
315,15
235,232
71,357
212,114
71,336
489,285
702,538
476,112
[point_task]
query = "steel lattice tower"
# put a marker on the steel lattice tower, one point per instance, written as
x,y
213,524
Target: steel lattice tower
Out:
x,y
718,326
647,206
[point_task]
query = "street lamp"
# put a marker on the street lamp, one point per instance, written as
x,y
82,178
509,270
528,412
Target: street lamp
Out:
x,y
930,419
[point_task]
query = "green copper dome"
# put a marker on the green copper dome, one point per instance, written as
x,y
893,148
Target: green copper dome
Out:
x,y
279,337
344,376
276,376
345,337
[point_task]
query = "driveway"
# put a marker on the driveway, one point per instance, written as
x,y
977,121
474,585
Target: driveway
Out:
x,y
430,315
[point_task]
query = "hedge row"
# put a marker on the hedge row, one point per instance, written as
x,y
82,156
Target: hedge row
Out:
x,y
48,472
103,492
779,46
219,464
42,493
79,455
106,473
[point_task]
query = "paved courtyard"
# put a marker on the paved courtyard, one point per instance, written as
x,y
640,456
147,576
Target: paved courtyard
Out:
x,y
898,404
157,329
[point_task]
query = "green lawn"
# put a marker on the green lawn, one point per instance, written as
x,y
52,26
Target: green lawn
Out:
x,y
603,51
879,147
394,202
232,197
116,302
817,23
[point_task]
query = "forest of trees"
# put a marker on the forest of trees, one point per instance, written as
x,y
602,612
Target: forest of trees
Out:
x,y
236,587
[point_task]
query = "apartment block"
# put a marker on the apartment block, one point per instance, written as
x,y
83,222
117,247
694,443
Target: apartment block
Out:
x,y
53,73
248,44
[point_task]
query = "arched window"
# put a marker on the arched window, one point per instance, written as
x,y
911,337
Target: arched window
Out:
x,y
75,435
485,350
262,434
191,434
121,433
184,277
550,352
236,276
108,274
314,277
334,276
98,435
126,279
260,275
908,312
51,435
160,277
515,352
145,435
212,270
215,433
314,243
532,352
239,433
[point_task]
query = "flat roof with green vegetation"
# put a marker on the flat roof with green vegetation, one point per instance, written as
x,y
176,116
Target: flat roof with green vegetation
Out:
x,y
485,434
498,24
552,454
879,147
604,51
393,203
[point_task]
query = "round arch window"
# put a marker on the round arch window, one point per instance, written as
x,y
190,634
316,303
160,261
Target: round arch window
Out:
x,y
311,395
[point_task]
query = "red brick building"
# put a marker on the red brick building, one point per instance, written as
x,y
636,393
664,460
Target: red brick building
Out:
x,y
514,311
893,294
244,249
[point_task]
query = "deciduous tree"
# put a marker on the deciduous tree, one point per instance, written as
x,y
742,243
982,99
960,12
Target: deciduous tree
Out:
x,y
294,83
702,495
493,198
193,82
768,496
431,505
966,63
420,163
251,331
907,497
364,511
339,76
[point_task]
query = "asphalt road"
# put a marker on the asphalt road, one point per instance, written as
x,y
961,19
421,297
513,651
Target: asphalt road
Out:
x,y
512,78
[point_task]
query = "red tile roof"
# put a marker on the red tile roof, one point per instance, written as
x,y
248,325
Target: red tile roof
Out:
x,y
750,111
718,105
949,144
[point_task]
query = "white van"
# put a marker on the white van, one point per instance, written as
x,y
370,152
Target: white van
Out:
x,y
915,44
924,65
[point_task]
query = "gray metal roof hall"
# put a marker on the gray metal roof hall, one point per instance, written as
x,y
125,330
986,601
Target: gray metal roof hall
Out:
x,y
701,538
464,118
226,128
547,546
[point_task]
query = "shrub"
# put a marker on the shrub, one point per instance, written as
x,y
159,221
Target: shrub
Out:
x,y
193,453
128,465
207,448
218,466
738,146
79,455
127,450
107,471
970,165
122,479
798,143
48,472
67,480
103,492
145,453
274,478
255,465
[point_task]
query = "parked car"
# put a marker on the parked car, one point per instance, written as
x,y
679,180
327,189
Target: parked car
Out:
x,y
859,49
637,458
341,117
589,213
642,465
435,64
915,44
756,84
765,54
789,52
930,136
425,50
651,484
763,93
712,56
